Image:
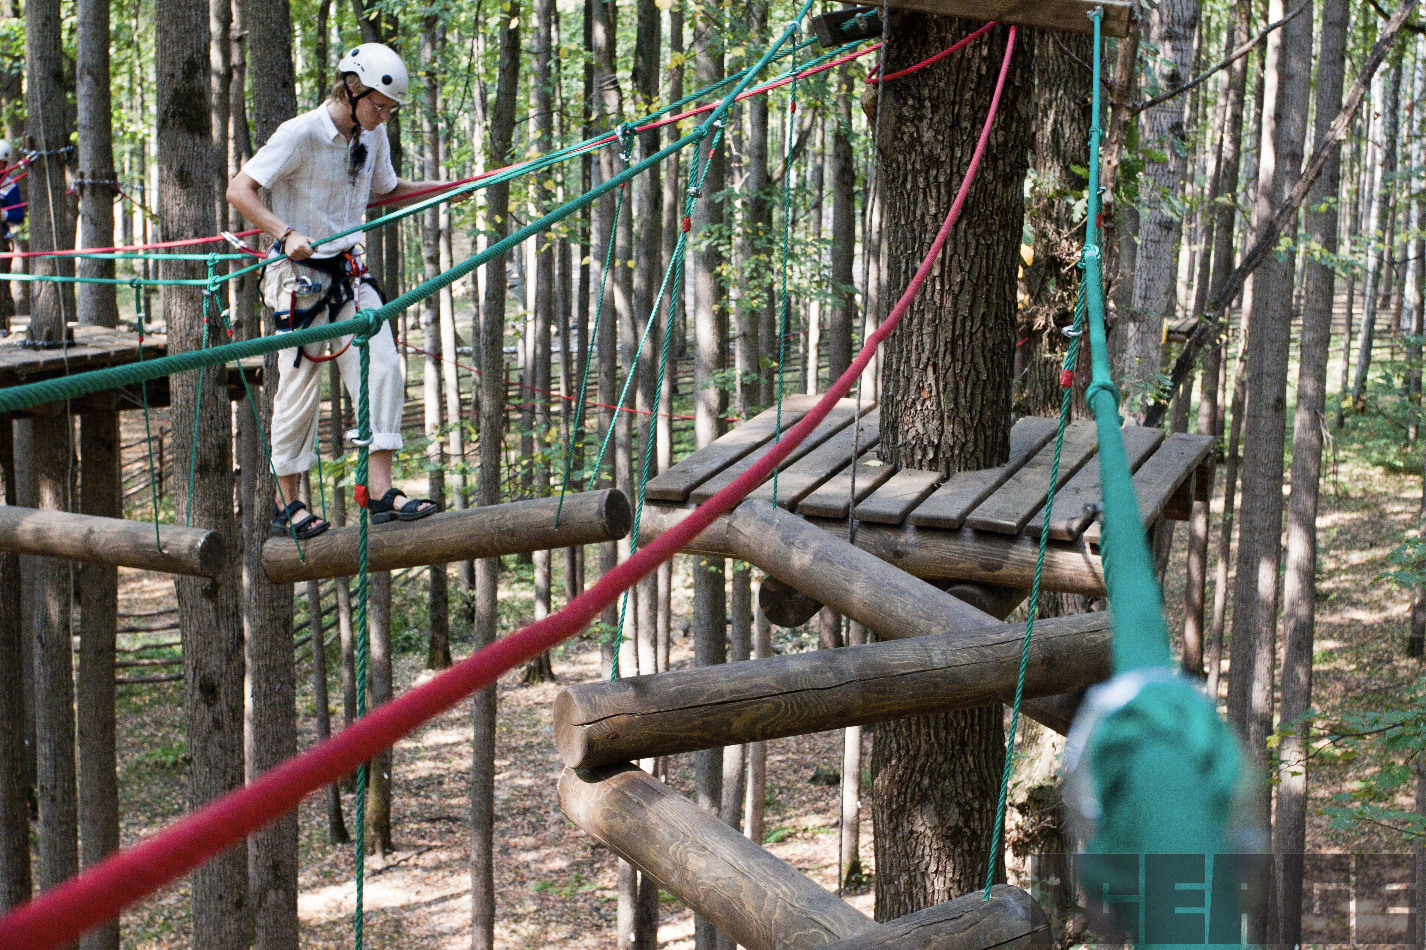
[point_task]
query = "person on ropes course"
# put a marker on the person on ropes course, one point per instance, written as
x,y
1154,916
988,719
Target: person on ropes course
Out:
x,y
320,170
12,209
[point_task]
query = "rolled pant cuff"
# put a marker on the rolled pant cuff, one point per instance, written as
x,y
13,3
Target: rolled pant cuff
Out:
x,y
297,466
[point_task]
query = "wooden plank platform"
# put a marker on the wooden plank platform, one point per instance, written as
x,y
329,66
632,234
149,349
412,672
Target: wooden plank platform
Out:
x,y
1069,15
1178,331
993,514
839,418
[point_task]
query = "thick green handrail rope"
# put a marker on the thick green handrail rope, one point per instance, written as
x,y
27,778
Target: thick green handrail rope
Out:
x,y
785,311
693,193
1075,333
1150,766
576,431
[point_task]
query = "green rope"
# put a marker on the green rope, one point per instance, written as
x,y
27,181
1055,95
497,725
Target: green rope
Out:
x,y
210,291
785,311
674,269
148,428
1071,359
363,645
577,430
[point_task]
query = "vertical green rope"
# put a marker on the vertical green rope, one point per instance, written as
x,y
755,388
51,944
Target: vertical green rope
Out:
x,y
363,645
209,292
576,431
785,311
1066,375
148,428
674,269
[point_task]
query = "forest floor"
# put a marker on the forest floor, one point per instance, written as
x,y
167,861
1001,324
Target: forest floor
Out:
x,y
556,886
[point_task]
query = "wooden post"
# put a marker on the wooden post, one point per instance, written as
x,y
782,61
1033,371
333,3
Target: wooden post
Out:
x,y
682,711
513,528
64,535
929,553
754,898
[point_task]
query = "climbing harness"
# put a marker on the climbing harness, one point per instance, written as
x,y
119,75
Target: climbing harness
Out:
x,y
299,292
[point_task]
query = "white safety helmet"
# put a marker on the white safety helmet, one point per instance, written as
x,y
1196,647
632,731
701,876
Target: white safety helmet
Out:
x,y
7,152
379,68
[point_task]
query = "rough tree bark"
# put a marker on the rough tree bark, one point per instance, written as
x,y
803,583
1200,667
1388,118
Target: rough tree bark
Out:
x,y
1286,94
208,609
1137,335
14,790
492,422
1300,586
946,381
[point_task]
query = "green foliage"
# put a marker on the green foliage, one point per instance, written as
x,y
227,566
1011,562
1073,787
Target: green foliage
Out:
x,y
1390,743
576,885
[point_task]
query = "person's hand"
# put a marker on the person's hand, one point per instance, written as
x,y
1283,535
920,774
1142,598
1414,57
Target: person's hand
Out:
x,y
462,196
297,246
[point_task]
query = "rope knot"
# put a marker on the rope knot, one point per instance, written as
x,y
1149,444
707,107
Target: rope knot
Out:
x,y
625,133
1105,386
374,322
1090,253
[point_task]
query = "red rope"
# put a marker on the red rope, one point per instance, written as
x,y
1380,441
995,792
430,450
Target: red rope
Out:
x,y
873,79
61,914
126,247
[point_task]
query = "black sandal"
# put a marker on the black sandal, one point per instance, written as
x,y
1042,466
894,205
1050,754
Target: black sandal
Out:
x,y
308,527
384,509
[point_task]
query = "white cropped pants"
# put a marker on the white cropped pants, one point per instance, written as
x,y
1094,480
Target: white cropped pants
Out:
x,y
299,390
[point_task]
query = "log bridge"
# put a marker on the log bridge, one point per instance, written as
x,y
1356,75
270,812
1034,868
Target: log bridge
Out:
x,y
937,565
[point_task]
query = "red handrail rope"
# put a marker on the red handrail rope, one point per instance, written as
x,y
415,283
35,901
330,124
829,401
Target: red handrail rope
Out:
x,y
126,247
872,78
61,914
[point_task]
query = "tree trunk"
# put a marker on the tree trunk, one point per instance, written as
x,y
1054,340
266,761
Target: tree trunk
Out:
x,y
849,861
438,644
208,609
946,406
1137,335
379,690
14,789
710,319
1287,91
1379,258
100,490
492,422
271,667
336,824
1300,586
843,176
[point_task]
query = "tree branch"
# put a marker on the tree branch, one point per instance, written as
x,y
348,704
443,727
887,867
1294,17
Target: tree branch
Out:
x,y
1210,327
1409,27
1236,55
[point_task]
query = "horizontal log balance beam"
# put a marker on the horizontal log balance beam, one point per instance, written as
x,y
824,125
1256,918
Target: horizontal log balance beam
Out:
x,y
517,527
60,534
608,722
929,553
803,693
759,901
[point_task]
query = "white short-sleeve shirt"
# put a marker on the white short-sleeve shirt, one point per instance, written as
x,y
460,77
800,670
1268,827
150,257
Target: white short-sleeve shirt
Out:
x,y
304,167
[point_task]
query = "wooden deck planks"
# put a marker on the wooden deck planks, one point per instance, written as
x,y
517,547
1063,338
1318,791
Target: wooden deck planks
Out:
x,y
1157,479
1069,517
832,498
1011,507
898,496
949,505
798,480
841,416
678,482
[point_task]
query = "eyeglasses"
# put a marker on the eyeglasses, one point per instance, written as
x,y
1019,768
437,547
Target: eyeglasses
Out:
x,y
386,108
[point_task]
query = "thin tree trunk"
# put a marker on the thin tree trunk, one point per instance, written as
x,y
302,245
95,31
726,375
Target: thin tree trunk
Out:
x,y
336,824
1135,342
14,790
438,644
213,665
1300,584
1255,600
850,828
710,319
501,129
379,690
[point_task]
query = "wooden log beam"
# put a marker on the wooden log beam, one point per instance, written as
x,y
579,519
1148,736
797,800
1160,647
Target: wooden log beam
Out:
x,y
514,528
928,553
1071,16
759,901
798,694
1010,920
61,534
